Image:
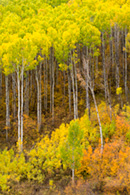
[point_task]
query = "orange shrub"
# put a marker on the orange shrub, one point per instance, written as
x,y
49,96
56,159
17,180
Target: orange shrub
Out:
x,y
114,163
122,126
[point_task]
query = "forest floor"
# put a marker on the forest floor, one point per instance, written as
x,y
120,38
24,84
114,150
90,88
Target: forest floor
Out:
x,y
29,188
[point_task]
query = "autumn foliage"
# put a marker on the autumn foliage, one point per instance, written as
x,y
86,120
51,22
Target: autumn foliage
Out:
x,y
107,171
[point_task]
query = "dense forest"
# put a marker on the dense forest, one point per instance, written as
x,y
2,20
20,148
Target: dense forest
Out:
x,y
64,97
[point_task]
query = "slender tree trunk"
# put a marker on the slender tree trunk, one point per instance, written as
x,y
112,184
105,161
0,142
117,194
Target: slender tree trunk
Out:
x,y
44,72
0,83
50,67
40,97
14,94
22,69
64,87
73,169
117,56
73,88
26,107
53,84
31,85
93,70
126,87
87,89
97,63
73,182
111,70
111,52
76,89
109,98
7,107
46,84
18,81
38,106
104,65
57,73
90,62
95,103
117,33
123,54
69,90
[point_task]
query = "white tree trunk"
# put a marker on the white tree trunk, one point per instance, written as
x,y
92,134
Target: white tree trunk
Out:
x,y
73,88
94,99
95,103
38,105
76,90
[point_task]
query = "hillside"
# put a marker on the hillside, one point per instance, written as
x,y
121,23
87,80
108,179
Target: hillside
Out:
x,y
64,96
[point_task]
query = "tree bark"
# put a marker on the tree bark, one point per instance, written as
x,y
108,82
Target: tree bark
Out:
x,y
117,55
76,89
104,65
0,83
73,88
111,51
126,86
7,107
40,95
26,107
14,94
45,84
95,102
50,67
18,81
38,103
87,89
22,69
53,83
69,90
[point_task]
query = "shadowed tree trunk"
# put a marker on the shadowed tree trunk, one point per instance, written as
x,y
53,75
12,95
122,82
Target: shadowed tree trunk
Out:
x,y
18,81
7,107
38,102
22,70
26,105
76,89
53,83
69,89
117,55
73,88
104,65
126,86
0,83
45,83
14,94
40,95
87,88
